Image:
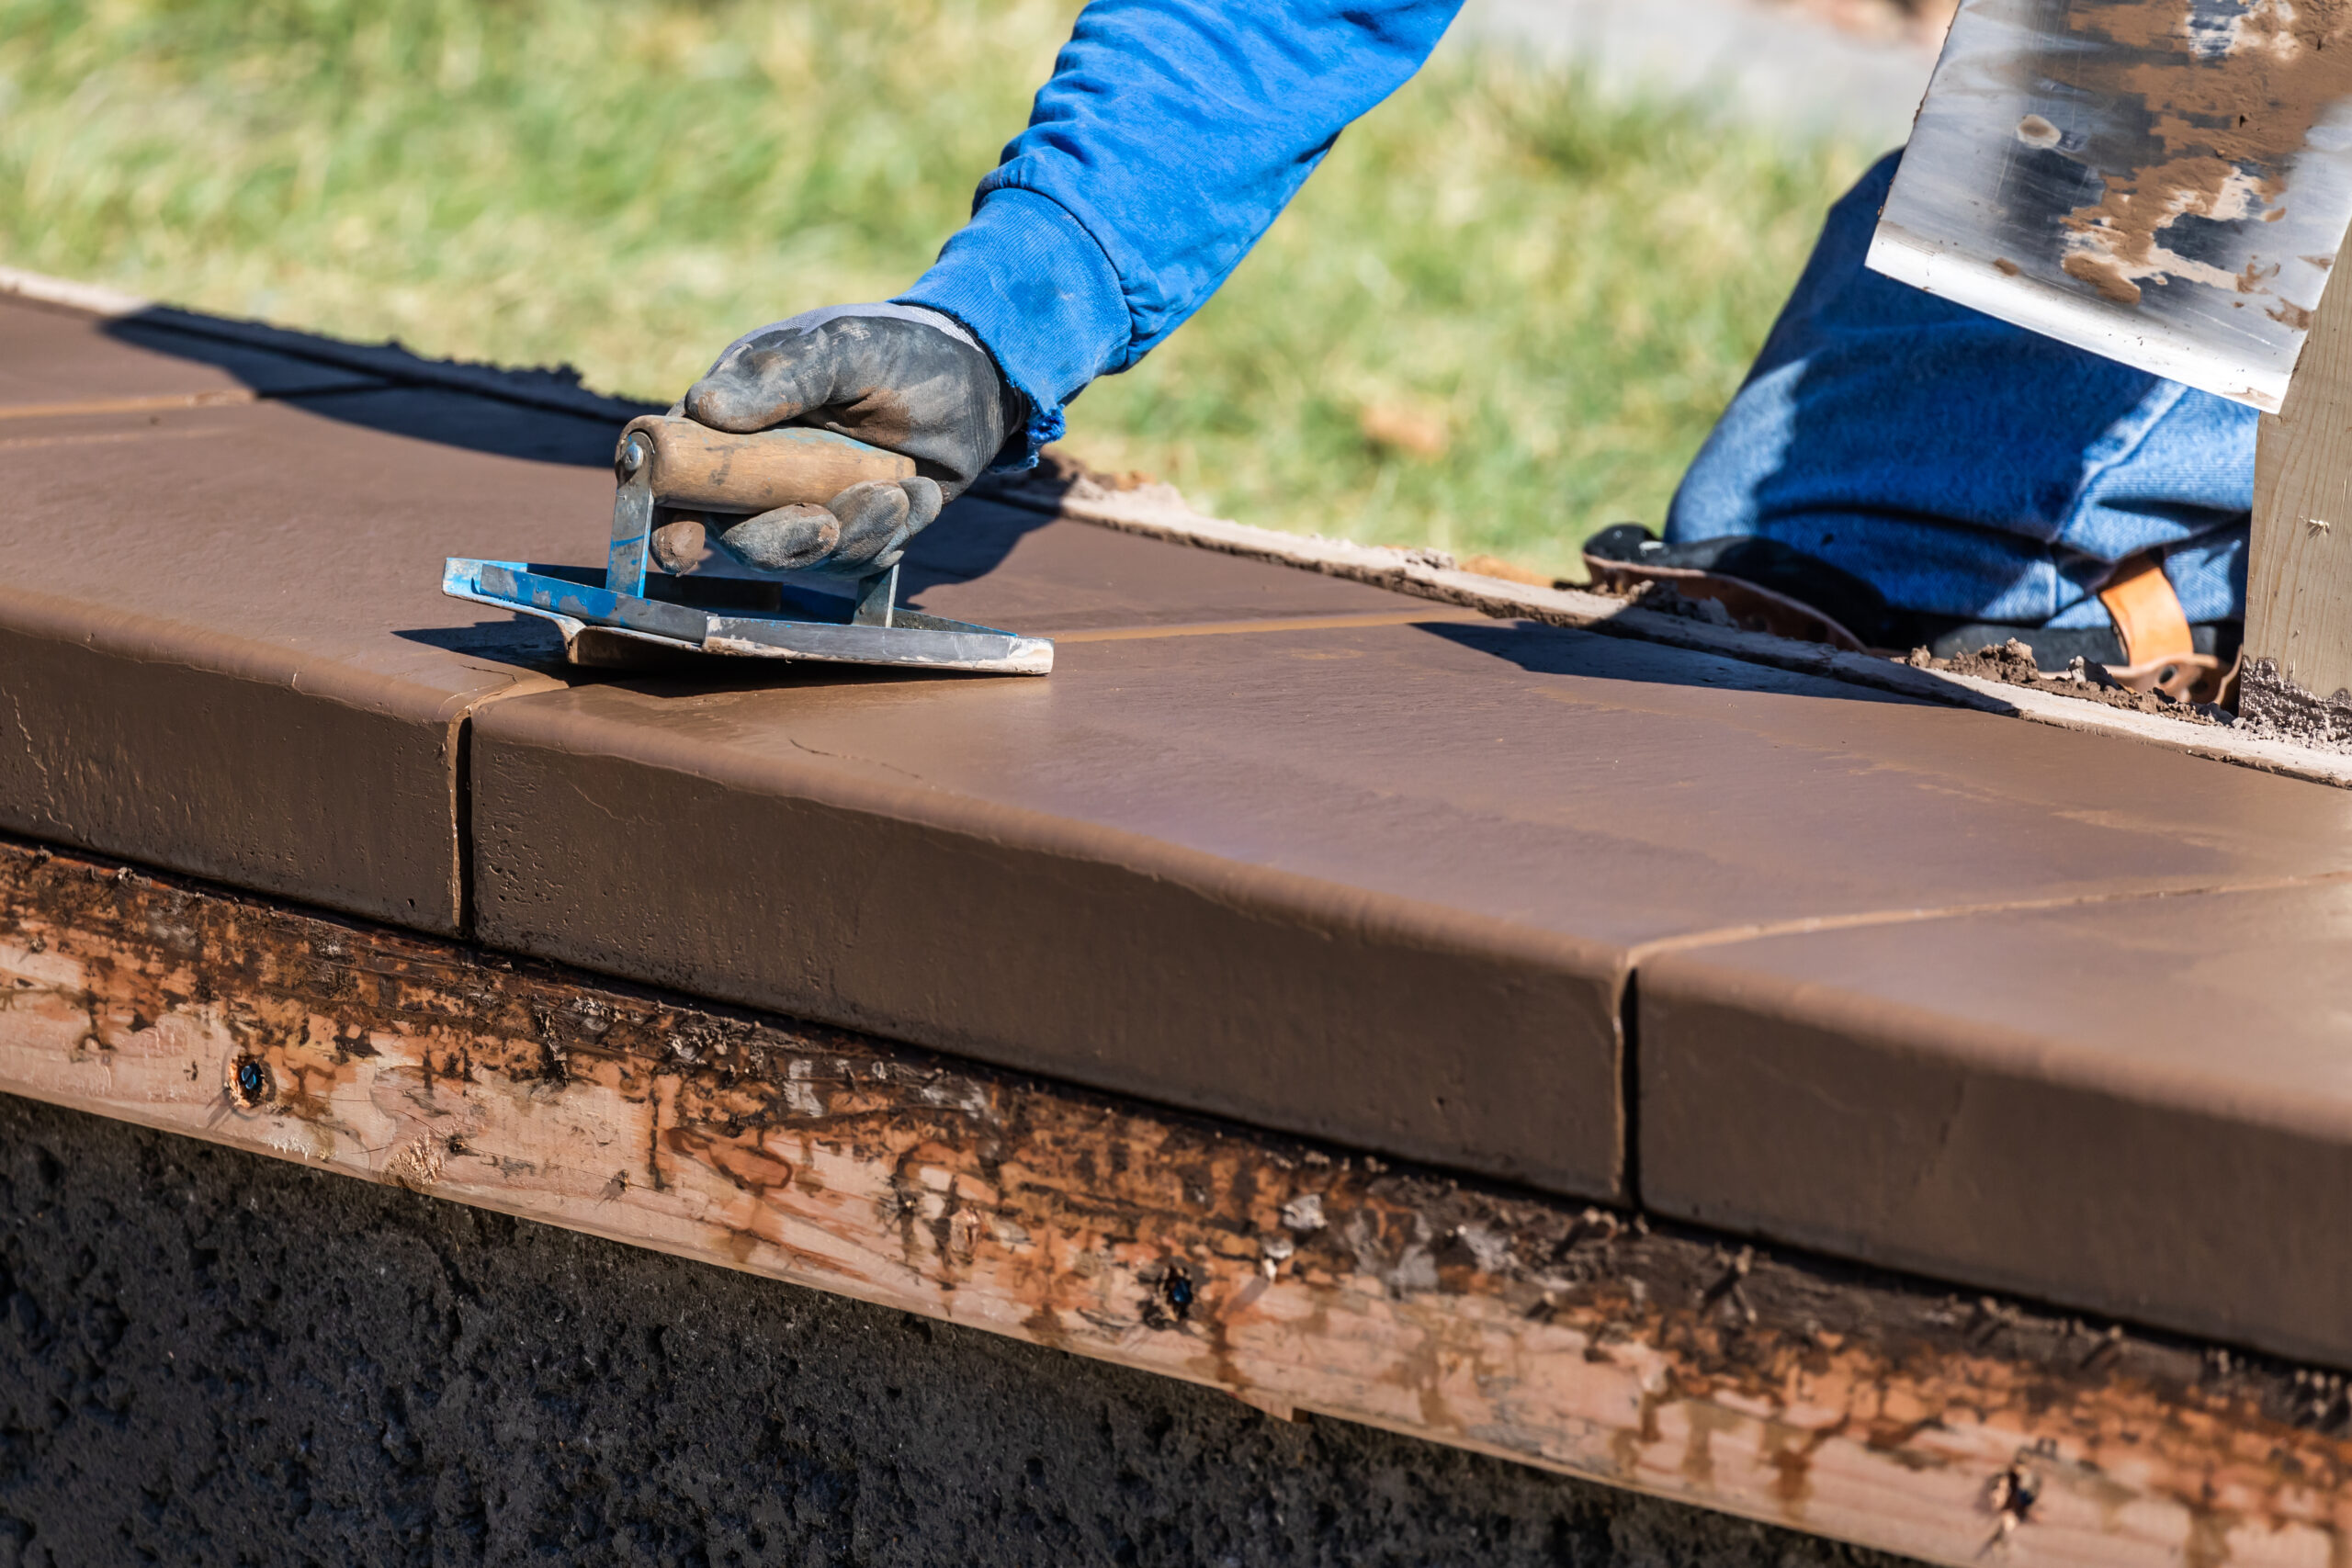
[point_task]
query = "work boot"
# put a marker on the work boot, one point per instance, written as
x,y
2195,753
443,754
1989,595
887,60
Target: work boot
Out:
x,y
2148,644
1766,586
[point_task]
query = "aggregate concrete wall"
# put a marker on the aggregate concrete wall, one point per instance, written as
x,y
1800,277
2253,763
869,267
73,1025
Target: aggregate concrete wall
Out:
x,y
211,1357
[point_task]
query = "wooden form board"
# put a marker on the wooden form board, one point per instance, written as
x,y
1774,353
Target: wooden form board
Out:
x,y
2299,564
1300,1280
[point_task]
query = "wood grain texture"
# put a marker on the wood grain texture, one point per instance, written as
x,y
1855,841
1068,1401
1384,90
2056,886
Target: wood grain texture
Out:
x,y
696,466
1849,1404
2298,570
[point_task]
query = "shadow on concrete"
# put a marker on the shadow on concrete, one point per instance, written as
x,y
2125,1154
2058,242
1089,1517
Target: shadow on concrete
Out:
x,y
970,541
1563,650
539,415
523,639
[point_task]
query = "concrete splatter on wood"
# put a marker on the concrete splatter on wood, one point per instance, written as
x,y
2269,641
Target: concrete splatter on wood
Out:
x,y
1298,1279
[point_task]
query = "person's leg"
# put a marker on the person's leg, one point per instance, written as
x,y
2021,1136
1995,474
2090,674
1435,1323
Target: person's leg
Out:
x,y
1968,470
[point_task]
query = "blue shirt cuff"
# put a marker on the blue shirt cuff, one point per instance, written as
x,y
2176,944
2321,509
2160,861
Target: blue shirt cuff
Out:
x,y
1036,289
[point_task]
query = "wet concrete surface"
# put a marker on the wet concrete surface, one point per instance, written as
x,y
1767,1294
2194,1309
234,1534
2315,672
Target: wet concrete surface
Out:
x,y
222,645
222,639
2138,1106
211,1357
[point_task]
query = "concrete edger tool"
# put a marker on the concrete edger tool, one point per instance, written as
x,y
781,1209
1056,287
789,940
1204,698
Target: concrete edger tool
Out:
x,y
667,583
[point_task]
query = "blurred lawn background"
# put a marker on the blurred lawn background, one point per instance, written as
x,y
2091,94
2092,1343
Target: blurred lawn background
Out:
x,y
1502,315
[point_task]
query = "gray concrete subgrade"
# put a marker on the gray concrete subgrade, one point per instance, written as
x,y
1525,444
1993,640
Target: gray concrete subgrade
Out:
x,y
207,1357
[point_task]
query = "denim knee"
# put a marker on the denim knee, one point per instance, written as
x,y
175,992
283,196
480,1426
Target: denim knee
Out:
x,y
1962,465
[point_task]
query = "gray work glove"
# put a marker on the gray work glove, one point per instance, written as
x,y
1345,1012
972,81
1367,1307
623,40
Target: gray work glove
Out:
x,y
893,376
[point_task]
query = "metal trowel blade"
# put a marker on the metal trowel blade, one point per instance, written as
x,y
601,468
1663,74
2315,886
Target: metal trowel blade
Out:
x,y
2163,182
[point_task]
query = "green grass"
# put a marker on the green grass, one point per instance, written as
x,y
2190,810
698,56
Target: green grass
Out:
x,y
1542,301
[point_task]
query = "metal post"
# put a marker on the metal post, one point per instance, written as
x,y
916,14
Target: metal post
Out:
x,y
878,596
632,518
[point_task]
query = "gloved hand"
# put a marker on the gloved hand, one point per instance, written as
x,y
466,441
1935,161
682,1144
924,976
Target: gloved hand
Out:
x,y
897,376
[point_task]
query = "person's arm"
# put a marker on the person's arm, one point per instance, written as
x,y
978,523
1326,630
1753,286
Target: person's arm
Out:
x,y
1171,134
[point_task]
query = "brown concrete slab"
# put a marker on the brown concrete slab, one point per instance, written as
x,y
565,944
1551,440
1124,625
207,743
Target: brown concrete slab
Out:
x,y
222,637
2140,1107
1005,567
1373,883
53,359
222,643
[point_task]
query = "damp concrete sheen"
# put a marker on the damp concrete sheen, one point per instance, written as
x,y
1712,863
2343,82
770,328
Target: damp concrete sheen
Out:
x,y
1267,844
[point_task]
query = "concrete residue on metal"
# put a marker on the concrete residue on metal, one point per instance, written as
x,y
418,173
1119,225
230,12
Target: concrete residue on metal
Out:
x,y
2162,181
1839,1402
2231,100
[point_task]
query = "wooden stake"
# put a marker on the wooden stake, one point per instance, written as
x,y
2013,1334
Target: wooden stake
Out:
x,y
2299,576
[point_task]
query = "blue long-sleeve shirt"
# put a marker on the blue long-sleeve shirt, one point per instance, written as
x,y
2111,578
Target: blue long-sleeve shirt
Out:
x,y
1171,135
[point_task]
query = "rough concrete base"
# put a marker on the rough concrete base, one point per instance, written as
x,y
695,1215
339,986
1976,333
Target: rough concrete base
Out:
x,y
2271,705
211,1357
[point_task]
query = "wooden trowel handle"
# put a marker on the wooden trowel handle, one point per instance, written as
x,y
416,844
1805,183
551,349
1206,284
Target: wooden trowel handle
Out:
x,y
692,465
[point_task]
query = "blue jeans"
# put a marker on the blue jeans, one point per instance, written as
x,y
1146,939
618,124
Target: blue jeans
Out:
x,y
1964,467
